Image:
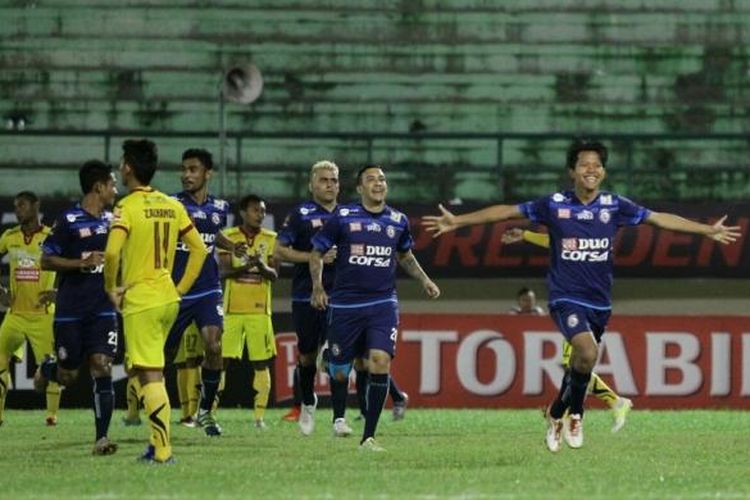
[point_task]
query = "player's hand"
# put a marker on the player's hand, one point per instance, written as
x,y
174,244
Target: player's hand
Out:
x,y
116,296
431,289
319,298
240,250
330,255
439,224
512,235
724,234
92,260
46,298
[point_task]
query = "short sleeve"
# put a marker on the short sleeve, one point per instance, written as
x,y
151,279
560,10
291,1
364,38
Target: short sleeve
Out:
x,y
328,235
58,241
536,210
405,241
629,213
121,218
289,229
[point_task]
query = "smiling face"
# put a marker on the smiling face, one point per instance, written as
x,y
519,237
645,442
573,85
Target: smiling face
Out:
x,y
588,173
372,186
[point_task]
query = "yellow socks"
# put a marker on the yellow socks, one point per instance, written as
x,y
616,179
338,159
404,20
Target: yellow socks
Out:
x,y
4,388
601,390
262,386
132,397
156,403
182,391
53,399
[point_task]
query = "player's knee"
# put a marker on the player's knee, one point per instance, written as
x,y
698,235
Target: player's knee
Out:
x,y
360,364
66,377
307,359
340,372
379,362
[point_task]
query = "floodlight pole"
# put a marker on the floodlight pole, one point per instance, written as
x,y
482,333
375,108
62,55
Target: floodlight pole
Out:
x,y
222,143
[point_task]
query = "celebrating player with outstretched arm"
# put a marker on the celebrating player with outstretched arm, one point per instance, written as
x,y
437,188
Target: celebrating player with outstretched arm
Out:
x,y
582,226
363,321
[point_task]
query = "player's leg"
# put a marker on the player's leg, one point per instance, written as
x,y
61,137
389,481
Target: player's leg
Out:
x,y
209,316
381,332
310,327
39,332
100,342
400,399
132,394
145,336
186,350
293,414
11,338
361,378
261,349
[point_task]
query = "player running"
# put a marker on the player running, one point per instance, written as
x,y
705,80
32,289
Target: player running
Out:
x,y
582,226
370,237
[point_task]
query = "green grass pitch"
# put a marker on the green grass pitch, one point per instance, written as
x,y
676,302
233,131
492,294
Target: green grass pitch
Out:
x,y
432,453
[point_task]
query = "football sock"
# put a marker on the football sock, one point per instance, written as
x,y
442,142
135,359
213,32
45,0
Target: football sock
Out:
x,y
53,399
49,369
219,392
579,382
104,403
132,396
296,392
562,401
307,383
156,403
377,390
182,391
262,386
396,395
211,380
193,388
339,393
4,386
361,383
601,390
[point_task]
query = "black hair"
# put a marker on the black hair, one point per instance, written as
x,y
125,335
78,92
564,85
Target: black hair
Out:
x,y
579,145
93,171
29,196
362,171
248,199
523,291
142,156
202,155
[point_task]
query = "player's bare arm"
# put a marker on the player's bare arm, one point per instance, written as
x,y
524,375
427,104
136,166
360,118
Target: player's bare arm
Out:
x,y
717,231
46,298
516,235
410,264
319,298
447,221
238,249
196,257
268,271
286,253
57,263
115,242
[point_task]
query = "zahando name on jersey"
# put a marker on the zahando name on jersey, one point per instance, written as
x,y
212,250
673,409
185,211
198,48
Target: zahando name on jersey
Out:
x,y
370,255
159,213
585,249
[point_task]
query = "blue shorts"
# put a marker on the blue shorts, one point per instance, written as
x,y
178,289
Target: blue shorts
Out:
x,y
572,319
353,331
206,310
310,325
78,338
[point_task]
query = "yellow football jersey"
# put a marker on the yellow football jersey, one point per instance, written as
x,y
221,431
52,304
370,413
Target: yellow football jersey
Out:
x,y
249,293
27,280
154,223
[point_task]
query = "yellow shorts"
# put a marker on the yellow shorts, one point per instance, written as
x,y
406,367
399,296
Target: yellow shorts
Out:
x,y
19,327
255,330
191,345
567,351
145,334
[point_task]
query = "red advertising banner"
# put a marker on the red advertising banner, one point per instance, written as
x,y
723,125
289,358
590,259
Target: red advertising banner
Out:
x,y
503,361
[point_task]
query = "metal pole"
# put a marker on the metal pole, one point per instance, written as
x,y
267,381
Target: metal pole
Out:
x,y
222,144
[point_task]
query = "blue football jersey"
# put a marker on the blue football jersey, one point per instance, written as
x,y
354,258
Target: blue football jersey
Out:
x,y
297,232
75,234
581,243
208,218
367,245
